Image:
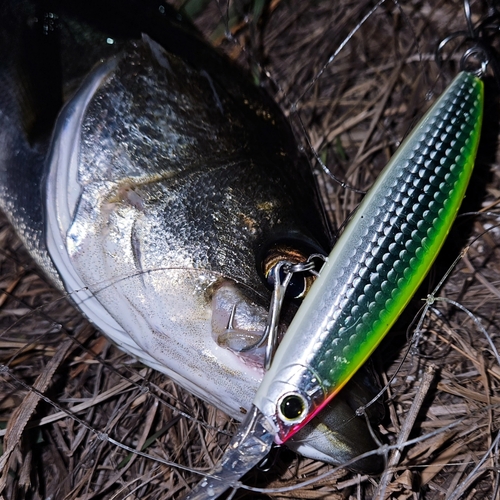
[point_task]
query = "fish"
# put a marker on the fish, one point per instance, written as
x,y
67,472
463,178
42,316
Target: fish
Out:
x,y
371,274
154,183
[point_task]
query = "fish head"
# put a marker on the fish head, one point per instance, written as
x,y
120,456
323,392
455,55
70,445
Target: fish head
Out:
x,y
166,192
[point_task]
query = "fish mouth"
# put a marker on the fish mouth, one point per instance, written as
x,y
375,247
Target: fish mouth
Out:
x,y
238,324
241,325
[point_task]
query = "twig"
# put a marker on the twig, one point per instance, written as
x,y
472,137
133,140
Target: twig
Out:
x,y
406,428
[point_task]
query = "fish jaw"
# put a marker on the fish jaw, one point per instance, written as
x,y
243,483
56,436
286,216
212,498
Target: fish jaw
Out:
x,y
172,333
161,313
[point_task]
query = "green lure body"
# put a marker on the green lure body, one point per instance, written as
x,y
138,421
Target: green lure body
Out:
x,y
379,261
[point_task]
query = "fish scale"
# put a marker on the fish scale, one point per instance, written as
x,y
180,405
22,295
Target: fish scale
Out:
x,y
380,259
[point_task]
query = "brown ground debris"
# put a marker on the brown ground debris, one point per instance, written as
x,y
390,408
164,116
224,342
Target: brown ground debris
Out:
x,y
443,402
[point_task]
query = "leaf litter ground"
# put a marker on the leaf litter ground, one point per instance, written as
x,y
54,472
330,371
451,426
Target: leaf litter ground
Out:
x,y
85,421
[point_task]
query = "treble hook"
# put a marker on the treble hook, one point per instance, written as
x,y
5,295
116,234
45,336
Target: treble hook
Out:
x,y
278,295
270,335
481,50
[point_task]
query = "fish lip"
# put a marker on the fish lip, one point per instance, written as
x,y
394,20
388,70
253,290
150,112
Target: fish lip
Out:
x,y
242,340
250,318
238,322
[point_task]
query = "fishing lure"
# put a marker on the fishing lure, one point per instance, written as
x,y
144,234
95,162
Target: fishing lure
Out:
x,y
378,263
371,274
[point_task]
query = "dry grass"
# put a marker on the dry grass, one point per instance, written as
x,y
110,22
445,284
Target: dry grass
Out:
x,y
77,441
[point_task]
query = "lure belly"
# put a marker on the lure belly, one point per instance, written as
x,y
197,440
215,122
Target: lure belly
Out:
x,y
378,262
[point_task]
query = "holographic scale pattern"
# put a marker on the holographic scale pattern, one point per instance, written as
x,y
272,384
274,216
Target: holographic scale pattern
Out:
x,y
380,259
398,231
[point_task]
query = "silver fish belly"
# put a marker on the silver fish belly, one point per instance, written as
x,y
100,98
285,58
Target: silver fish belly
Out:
x,y
165,183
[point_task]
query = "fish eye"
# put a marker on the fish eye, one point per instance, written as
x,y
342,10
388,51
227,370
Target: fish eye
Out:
x,y
300,282
292,407
297,287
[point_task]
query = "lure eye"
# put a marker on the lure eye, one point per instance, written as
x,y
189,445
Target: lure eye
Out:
x,y
293,407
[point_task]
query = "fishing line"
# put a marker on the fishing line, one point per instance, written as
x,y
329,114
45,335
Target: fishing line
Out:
x,y
140,386
383,450
293,106
100,435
